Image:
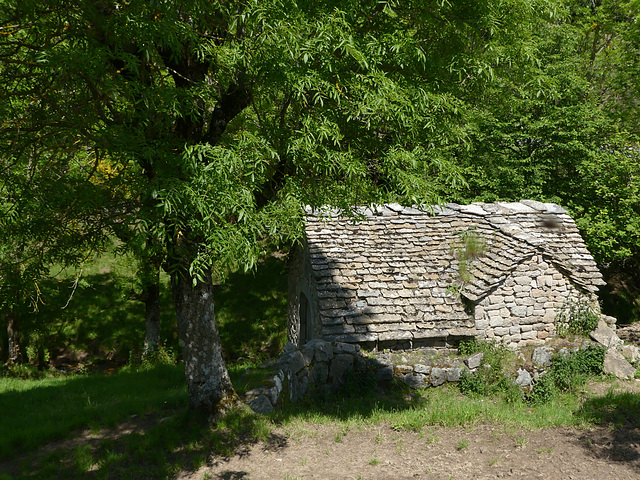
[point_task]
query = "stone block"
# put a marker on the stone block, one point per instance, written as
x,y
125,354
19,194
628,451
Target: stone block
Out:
x,y
340,347
416,380
360,319
438,376
453,374
341,366
374,301
384,374
615,364
474,361
403,369
543,335
319,373
605,335
355,337
322,350
519,311
501,331
631,352
524,378
328,320
496,321
430,333
542,356
301,386
296,363
337,330
482,323
421,368
332,303
395,335
368,293
261,404
545,280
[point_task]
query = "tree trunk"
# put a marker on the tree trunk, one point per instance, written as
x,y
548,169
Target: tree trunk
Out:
x,y
151,296
208,382
13,336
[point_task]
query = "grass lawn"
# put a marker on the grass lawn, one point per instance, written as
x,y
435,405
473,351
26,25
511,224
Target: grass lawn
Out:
x,y
133,422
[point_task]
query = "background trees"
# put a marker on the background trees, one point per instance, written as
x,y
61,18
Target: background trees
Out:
x,y
564,128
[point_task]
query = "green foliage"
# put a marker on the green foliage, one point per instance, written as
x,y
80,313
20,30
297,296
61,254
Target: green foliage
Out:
x,y
567,371
576,317
252,312
561,126
492,377
469,247
91,320
473,345
212,125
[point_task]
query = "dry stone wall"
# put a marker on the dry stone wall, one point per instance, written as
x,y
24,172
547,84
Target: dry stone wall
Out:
x,y
320,367
522,310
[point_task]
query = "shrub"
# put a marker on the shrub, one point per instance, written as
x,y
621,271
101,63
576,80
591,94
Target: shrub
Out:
x,y
568,371
576,317
490,378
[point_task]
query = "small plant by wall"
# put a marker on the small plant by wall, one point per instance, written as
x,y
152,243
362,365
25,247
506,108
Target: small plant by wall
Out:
x,y
567,372
492,376
576,317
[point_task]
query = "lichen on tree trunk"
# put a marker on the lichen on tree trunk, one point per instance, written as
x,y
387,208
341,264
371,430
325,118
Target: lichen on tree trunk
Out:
x,y
210,389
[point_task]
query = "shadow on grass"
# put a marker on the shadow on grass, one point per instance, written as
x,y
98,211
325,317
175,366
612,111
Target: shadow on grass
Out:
x,y
154,446
136,425
35,412
619,412
251,311
101,320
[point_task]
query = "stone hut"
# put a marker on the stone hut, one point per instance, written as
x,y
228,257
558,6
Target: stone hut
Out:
x,y
401,277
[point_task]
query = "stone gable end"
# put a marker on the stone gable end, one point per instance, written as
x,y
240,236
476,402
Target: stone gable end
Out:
x,y
400,277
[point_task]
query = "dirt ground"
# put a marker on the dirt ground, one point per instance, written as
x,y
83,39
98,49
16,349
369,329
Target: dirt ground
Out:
x,y
479,452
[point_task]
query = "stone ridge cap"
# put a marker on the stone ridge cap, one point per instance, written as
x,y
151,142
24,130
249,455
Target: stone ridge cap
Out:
x,y
476,208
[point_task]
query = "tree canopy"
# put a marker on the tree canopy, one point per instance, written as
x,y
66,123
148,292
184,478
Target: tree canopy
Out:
x,y
201,128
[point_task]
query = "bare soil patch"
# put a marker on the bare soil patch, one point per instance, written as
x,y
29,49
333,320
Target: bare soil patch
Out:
x,y
481,452
478,452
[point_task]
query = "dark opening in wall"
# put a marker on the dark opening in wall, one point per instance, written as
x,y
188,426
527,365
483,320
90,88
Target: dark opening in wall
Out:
x,y
306,327
469,306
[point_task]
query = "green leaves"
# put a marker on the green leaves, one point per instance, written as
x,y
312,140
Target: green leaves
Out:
x,y
219,122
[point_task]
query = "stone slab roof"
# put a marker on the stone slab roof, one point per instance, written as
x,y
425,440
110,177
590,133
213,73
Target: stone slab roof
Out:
x,y
391,250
